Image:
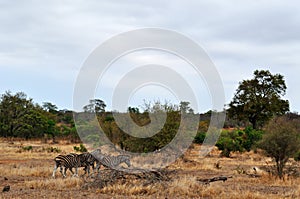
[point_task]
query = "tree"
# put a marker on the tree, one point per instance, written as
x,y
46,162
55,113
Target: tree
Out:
x,y
280,141
259,99
95,106
13,110
20,117
133,110
185,107
51,108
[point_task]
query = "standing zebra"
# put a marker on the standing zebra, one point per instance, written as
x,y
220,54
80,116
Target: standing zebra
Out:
x,y
112,161
67,162
86,160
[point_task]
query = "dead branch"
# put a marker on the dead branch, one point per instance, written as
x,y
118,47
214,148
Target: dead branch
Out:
x,y
214,179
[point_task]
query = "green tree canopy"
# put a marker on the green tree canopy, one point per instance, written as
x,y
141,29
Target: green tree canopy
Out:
x,y
20,117
51,108
95,106
259,99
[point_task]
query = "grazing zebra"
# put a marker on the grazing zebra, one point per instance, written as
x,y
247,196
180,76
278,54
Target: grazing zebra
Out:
x,y
112,161
65,162
74,160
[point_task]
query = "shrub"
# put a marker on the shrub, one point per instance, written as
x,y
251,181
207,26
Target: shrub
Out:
x,y
81,148
281,141
251,137
238,140
53,150
228,145
199,138
27,148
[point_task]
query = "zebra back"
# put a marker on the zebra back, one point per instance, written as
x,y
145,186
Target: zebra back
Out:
x,y
68,161
86,159
114,161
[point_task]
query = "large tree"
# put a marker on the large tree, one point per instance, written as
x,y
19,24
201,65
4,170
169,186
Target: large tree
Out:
x,y
259,99
20,117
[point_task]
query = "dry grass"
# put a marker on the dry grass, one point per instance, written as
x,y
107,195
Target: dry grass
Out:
x,y
55,184
29,172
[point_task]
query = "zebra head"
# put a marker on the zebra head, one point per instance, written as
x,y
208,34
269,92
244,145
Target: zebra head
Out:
x,y
126,160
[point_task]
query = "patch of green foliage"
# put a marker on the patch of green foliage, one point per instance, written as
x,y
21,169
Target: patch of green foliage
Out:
x,y
53,150
81,148
238,140
27,148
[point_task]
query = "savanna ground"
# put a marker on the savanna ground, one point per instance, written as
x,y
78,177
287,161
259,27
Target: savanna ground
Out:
x,y
29,174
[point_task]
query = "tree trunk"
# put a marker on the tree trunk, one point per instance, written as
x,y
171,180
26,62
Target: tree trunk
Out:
x,y
280,165
253,121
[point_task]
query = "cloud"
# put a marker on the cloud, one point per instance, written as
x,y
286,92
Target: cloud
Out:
x,y
48,41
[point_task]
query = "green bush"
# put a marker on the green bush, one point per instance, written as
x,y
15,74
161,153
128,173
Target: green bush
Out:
x,y
81,148
228,145
199,138
238,140
53,150
27,148
251,137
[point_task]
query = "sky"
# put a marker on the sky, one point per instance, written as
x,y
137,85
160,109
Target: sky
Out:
x,y
43,44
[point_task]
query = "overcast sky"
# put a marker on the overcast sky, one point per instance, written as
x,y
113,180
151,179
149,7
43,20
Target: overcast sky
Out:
x,y
43,44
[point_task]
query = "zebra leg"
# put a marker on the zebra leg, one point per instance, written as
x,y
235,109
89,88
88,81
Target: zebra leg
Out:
x,y
61,170
71,171
54,171
86,170
76,172
64,171
98,165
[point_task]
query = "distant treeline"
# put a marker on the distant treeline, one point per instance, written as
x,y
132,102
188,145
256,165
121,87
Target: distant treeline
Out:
x,y
255,102
21,117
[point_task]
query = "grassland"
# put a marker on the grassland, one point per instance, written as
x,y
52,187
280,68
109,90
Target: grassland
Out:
x,y
28,172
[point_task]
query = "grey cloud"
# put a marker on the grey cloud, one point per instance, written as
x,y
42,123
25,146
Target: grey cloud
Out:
x,y
57,36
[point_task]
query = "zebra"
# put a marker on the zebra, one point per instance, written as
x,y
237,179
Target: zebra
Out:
x,y
86,160
112,161
67,162
74,160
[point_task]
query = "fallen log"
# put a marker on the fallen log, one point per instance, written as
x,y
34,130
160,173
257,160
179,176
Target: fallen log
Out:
x,y
111,176
214,179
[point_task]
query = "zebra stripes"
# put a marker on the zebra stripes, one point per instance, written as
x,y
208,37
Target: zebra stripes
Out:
x,y
112,161
73,160
67,162
87,160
